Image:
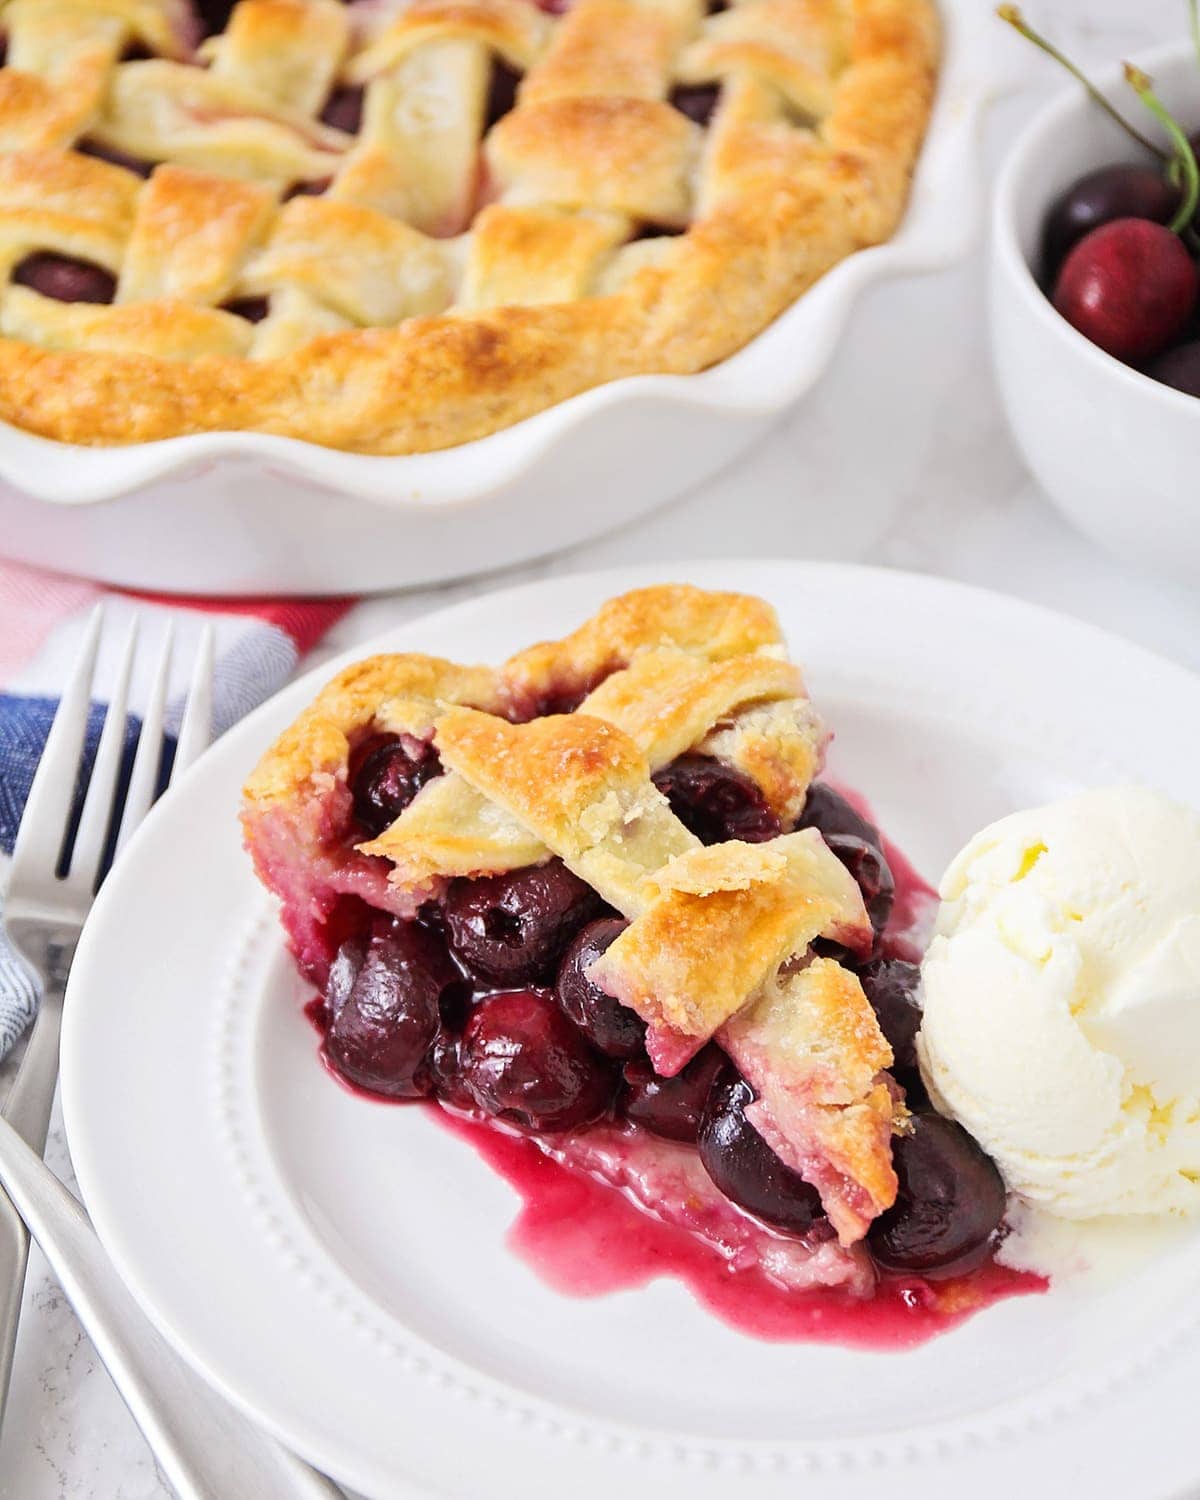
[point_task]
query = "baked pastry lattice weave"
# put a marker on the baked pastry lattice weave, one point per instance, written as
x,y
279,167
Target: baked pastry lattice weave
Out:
x,y
551,761
393,228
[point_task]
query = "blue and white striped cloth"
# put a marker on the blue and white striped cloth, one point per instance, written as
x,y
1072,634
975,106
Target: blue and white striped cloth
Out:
x,y
42,618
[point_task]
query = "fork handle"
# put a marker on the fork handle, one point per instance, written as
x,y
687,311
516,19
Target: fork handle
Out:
x,y
27,1109
206,1449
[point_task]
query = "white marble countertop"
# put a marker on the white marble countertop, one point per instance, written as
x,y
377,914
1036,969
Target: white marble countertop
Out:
x,y
971,513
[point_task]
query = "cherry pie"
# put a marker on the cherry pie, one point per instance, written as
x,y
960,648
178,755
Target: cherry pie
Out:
x,y
393,227
596,898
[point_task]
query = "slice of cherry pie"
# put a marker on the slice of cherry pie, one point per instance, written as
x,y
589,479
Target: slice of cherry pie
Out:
x,y
397,225
594,897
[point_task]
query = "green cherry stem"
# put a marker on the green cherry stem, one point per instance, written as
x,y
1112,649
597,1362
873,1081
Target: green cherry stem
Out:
x,y
1012,14
1194,17
1143,87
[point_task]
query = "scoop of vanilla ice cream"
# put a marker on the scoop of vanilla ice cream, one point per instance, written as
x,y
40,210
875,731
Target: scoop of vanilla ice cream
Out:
x,y
1062,1002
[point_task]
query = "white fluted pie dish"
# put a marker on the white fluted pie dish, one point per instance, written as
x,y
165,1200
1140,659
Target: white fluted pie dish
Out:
x,y
246,513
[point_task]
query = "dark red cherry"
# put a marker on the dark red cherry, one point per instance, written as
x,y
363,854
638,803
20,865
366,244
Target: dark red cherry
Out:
x,y
386,773
512,929
384,1008
670,1106
1130,287
1116,192
502,96
744,1167
696,101
135,164
950,1203
1178,368
444,1067
891,985
523,1061
612,1028
343,971
64,279
253,309
344,110
214,15
871,872
831,813
716,802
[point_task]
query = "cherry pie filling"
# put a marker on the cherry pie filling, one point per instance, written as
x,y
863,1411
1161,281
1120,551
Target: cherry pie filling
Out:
x,y
482,1003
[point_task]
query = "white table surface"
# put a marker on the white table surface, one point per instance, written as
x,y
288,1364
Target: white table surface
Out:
x,y
972,513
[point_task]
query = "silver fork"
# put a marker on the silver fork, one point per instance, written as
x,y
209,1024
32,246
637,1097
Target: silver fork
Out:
x,y
206,1450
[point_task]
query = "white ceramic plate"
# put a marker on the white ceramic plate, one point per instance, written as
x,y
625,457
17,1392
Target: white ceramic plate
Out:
x,y
337,1267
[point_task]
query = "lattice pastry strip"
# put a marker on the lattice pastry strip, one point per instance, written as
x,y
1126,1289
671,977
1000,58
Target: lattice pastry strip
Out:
x,y
60,59
713,927
164,111
795,46
289,52
810,1047
666,702
625,48
367,268
534,255
191,236
580,786
417,152
721,950
427,79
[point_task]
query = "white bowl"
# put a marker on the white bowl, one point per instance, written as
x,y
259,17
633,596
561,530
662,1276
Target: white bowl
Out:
x,y
1117,452
238,513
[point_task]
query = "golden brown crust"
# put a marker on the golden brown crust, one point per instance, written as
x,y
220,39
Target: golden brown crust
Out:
x,y
406,693
811,1048
580,785
718,924
680,690
714,625
403,694
772,204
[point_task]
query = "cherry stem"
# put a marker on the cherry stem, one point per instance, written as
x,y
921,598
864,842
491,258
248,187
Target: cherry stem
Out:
x,y
1143,87
1012,14
1194,16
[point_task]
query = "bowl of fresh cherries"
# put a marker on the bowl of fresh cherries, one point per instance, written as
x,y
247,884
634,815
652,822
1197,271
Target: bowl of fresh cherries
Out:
x,y
1095,303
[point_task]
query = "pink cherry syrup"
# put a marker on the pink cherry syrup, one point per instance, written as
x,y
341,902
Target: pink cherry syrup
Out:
x,y
585,1238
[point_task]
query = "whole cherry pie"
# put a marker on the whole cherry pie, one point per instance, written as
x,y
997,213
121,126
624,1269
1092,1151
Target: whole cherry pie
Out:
x,y
397,225
596,898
